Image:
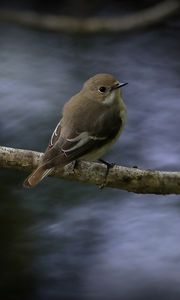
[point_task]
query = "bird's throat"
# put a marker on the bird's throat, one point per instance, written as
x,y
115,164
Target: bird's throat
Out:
x,y
112,98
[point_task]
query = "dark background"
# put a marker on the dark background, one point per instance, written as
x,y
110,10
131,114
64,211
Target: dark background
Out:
x,y
81,8
66,240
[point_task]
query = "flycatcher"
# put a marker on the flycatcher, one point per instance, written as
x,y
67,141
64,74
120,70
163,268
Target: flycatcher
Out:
x,y
92,121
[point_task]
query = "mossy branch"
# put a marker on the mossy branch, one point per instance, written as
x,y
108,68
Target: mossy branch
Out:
x,y
145,17
129,179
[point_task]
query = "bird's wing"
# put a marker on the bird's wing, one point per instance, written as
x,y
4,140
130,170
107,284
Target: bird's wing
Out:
x,y
55,135
64,148
98,134
54,149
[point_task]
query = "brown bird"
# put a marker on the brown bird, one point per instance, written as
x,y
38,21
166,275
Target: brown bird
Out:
x,y
92,121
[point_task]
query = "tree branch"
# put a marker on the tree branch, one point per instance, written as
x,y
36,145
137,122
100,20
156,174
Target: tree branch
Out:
x,y
129,179
136,20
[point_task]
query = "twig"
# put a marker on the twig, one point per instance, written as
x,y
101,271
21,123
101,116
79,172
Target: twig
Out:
x,y
129,179
148,16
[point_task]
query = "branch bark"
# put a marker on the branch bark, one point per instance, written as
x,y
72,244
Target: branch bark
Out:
x,y
140,19
129,179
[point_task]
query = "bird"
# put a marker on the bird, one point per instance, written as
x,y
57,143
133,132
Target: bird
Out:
x,y
92,121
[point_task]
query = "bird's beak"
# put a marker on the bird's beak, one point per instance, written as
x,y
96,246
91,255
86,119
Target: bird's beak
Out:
x,y
118,85
122,84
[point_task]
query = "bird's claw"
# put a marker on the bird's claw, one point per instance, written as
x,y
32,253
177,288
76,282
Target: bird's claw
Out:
x,y
109,166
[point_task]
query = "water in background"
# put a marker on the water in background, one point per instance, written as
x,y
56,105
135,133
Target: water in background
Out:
x,y
66,240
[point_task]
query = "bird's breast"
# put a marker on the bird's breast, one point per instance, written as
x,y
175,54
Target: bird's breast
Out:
x,y
115,129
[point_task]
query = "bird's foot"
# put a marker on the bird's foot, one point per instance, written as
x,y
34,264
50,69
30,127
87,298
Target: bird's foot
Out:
x,y
72,166
75,164
109,166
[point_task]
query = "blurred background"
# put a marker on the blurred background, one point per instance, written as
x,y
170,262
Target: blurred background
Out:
x,y
66,240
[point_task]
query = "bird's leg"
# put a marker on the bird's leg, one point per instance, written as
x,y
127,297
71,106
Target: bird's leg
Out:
x,y
74,164
109,166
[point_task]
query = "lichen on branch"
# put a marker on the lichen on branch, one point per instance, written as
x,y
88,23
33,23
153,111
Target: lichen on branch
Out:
x,y
129,179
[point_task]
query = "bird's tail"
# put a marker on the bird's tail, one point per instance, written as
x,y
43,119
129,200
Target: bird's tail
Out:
x,y
36,176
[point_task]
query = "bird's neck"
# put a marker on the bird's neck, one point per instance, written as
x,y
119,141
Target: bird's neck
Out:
x,y
118,102
115,99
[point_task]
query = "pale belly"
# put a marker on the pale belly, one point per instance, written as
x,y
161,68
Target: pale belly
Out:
x,y
99,153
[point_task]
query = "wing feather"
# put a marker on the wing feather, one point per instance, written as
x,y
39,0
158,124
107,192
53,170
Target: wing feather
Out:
x,y
68,142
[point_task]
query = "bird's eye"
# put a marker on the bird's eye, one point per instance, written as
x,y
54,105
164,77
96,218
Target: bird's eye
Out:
x,y
102,89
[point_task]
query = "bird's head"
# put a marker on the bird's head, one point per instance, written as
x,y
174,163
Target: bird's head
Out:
x,y
104,88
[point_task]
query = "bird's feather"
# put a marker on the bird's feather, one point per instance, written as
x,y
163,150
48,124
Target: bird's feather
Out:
x,y
68,142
